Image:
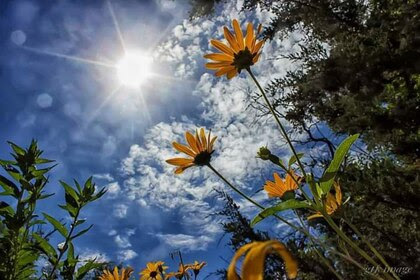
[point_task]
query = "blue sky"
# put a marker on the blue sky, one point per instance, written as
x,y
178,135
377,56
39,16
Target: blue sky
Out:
x,y
92,125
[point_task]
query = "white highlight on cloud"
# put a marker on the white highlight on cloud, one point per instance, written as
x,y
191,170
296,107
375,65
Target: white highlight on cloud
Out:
x,y
120,210
185,242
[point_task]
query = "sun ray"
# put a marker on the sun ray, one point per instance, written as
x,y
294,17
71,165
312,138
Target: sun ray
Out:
x,y
116,25
100,107
69,57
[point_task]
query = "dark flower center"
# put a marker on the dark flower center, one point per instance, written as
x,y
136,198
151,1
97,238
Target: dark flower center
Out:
x,y
202,158
243,59
153,274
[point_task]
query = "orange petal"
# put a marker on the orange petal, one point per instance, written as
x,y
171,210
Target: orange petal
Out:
x,y
180,161
238,33
183,149
257,47
181,169
191,141
255,59
249,36
217,65
224,70
210,147
222,47
198,141
203,138
232,73
231,39
219,57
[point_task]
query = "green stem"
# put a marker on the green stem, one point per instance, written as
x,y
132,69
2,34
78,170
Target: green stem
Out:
x,y
377,254
282,129
73,226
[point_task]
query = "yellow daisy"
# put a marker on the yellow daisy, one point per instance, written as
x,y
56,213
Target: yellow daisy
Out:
x,y
125,274
200,148
152,271
196,267
242,52
253,264
332,202
279,187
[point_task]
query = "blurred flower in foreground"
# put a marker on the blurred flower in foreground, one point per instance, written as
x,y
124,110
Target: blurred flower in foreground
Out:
x,y
125,274
152,271
332,202
161,266
253,264
181,273
196,267
240,54
199,149
279,187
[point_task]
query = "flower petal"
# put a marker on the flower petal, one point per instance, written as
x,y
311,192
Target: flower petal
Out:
x,y
203,138
231,40
257,47
219,57
231,273
180,161
232,73
249,36
191,142
217,65
224,70
222,47
238,34
183,149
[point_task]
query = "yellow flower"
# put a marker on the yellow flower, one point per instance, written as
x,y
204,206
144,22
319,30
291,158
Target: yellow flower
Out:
x,y
253,264
332,202
199,149
125,274
241,53
181,273
161,266
196,267
152,271
279,187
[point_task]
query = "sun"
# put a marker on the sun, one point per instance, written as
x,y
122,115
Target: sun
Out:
x,y
134,68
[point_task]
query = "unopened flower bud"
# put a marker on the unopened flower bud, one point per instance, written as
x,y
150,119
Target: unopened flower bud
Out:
x,y
264,153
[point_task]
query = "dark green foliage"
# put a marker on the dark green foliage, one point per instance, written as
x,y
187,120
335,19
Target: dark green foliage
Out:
x,y
22,240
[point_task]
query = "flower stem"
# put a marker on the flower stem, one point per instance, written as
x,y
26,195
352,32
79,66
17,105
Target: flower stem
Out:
x,y
282,129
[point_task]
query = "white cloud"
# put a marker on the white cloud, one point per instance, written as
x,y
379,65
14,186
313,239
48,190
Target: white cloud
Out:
x,y
126,255
150,181
120,210
185,242
89,254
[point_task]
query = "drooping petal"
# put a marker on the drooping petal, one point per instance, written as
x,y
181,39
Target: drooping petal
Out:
x,y
180,161
222,47
183,149
249,36
253,265
238,34
219,57
231,40
231,273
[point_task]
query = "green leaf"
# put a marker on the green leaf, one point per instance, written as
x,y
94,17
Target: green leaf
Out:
x,y
71,196
41,172
282,206
70,209
293,159
81,232
45,247
7,185
6,208
83,270
18,150
56,224
327,179
79,222
43,160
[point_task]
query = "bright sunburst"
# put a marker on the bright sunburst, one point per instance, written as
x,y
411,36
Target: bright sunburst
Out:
x,y
134,68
